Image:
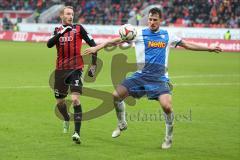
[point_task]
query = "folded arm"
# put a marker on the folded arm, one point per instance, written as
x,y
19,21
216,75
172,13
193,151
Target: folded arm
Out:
x,y
56,35
52,41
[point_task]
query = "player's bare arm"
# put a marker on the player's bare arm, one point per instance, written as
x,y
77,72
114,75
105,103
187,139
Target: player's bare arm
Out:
x,y
195,47
102,45
90,41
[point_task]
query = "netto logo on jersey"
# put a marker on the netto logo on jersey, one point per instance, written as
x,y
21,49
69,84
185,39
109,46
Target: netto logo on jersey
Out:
x,y
153,44
65,39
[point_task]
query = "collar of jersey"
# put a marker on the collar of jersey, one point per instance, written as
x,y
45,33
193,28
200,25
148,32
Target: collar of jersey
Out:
x,y
155,31
65,25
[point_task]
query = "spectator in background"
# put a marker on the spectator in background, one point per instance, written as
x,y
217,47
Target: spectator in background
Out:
x,y
19,19
227,35
132,13
15,27
7,24
232,22
138,17
36,15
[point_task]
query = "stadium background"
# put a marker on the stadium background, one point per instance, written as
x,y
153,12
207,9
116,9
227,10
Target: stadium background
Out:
x,y
206,93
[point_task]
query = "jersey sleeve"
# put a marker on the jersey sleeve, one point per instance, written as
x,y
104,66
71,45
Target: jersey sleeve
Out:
x,y
174,40
53,39
90,41
138,36
54,32
87,37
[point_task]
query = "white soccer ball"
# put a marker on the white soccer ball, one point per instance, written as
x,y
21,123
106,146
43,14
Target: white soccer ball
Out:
x,y
127,32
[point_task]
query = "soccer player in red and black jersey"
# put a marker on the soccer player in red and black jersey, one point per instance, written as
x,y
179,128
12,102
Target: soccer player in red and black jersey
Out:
x,y
69,65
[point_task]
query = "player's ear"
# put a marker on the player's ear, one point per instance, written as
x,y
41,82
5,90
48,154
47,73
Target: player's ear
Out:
x,y
160,18
61,16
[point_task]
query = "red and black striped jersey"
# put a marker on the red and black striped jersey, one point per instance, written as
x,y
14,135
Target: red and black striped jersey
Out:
x,y
69,47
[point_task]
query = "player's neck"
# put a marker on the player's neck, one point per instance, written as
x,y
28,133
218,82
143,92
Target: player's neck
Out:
x,y
156,30
66,24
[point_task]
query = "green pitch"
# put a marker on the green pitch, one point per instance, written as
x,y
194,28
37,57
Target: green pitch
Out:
x,y
206,101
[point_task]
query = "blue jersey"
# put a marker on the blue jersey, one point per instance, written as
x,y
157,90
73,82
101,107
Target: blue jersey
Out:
x,y
152,49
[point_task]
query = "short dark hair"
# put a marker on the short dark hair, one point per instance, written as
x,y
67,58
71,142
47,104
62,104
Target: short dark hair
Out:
x,y
156,10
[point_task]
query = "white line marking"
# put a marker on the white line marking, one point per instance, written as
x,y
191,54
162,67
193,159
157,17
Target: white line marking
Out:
x,y
206,84
205,76
108,85
174,77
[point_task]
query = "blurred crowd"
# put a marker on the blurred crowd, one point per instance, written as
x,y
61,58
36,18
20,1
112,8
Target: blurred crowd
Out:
x,y
112,12
188,13
202,13
34,6
29,5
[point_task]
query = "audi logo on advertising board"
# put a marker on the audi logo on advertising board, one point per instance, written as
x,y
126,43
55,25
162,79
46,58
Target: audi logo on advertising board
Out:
x,y
20,36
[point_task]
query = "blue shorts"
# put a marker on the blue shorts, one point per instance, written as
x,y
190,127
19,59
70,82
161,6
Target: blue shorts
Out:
x,y
139,85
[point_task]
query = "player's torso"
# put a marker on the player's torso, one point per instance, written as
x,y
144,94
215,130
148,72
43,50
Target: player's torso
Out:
x,y
152,51
69,49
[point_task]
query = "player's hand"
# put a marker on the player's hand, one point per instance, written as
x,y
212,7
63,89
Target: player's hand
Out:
x,y
65,30
215,49
92,70
90,50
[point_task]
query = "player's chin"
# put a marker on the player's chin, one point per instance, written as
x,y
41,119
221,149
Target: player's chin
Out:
x,y
69,22
153,29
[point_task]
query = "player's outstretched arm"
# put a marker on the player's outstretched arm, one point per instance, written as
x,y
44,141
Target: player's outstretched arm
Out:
x,y
101,46
196,47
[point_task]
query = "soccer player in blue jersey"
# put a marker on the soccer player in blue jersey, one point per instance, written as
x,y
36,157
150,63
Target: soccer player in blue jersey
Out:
x,y
152,46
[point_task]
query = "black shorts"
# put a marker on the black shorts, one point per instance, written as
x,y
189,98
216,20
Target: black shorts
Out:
x,y
65,80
